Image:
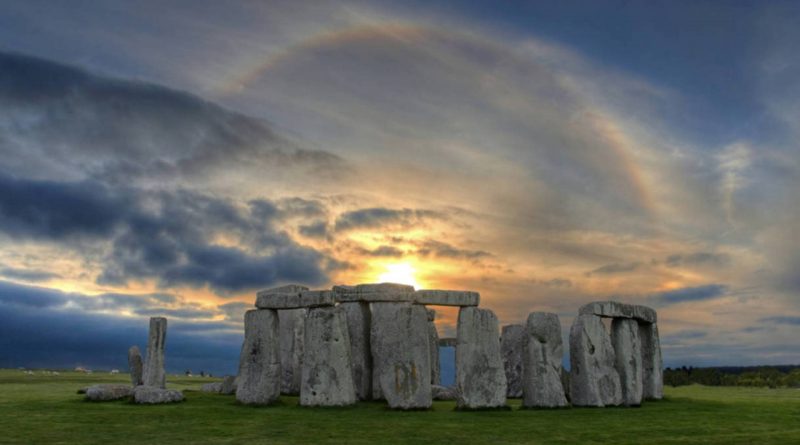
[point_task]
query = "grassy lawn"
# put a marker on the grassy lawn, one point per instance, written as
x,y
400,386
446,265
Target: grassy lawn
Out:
x,y
43,409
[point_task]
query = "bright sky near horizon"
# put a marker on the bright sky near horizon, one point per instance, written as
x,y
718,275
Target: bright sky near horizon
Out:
x,y
171,158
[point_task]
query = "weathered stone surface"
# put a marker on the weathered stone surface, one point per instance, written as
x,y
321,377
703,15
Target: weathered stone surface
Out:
x,y
628,359
433,345
542,370
565,379
214,387
593,379
401,357
512,344
327,378
103,393
135,365
259,362
439,297
652,366
154,374
379,292
153,395
287,289
615,309
228,386
291,331
358,326
448,342
444,392
480,377
303,299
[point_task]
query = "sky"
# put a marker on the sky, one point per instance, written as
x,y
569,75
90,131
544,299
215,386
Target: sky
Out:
x,y
172,158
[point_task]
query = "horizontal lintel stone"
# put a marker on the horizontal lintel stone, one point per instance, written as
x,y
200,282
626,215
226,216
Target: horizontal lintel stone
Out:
x,y
615,309
306,298
437,297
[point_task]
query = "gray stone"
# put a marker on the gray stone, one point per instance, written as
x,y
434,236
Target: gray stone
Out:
x,y
480,377
594,381
400,353
433,345
104,393
327,378
259,362
565,379
512,344
153,395
214,387
292,330
358,326
628,359
542,370
135,365
369,293
228,386
652,365
444,392
154,374
450,342
615,309
438,297
303,299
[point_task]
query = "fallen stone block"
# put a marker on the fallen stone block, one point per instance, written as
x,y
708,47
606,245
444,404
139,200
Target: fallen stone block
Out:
x,y
327,378
151,395
104,393
438,297
214,387
512,344
542,371
480,376
594,380
614,309
259,362
303,299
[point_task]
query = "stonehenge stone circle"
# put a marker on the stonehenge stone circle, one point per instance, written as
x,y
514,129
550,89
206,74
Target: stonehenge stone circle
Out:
x,y
433,345
400,353
153,395
154,374
446,297
327,378
104,393
259,362
652,366
628,359
135,365
359,320
542,369
480,377
291,327
512,344
594,380
308,298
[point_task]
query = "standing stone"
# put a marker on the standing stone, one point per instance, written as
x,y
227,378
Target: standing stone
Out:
x,y
480,376
542,384
228,385
593,379
154,374
628,359
401,357
327,378
358,326
135,365
291,332
512,343
433,344
259,362
652,366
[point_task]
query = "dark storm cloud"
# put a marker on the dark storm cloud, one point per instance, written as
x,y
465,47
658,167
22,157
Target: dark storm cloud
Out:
x,y
782,319
318,229
378,217
381,251
698,258
27,274
37,329
699,293
59,120
160,234
615,268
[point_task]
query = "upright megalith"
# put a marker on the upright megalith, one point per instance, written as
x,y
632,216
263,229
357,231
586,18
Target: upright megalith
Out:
x,y
628,359
512,343
259,362
594,380
652,366
401,356
327,378
154,374
291,332
480,377
135,365
358,326
433,345
542,371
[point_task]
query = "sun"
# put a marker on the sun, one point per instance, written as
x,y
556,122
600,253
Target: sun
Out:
x,y
402,273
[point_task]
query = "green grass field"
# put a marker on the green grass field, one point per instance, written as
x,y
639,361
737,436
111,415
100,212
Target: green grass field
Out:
x,y
43,409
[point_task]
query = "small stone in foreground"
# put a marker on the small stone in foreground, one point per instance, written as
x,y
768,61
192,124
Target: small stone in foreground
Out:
x,y
214,387
228,385
151,395
104,393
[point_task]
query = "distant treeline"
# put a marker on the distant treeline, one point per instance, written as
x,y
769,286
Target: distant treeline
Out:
x,y
767,376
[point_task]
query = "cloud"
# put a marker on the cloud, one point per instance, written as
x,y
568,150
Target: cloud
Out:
x,y
381,251
28,274
687,294
234,311
782,319
443,250
381,217
318,229
615,268
698,259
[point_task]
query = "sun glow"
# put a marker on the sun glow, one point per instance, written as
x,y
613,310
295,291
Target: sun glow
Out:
x,y
402,273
